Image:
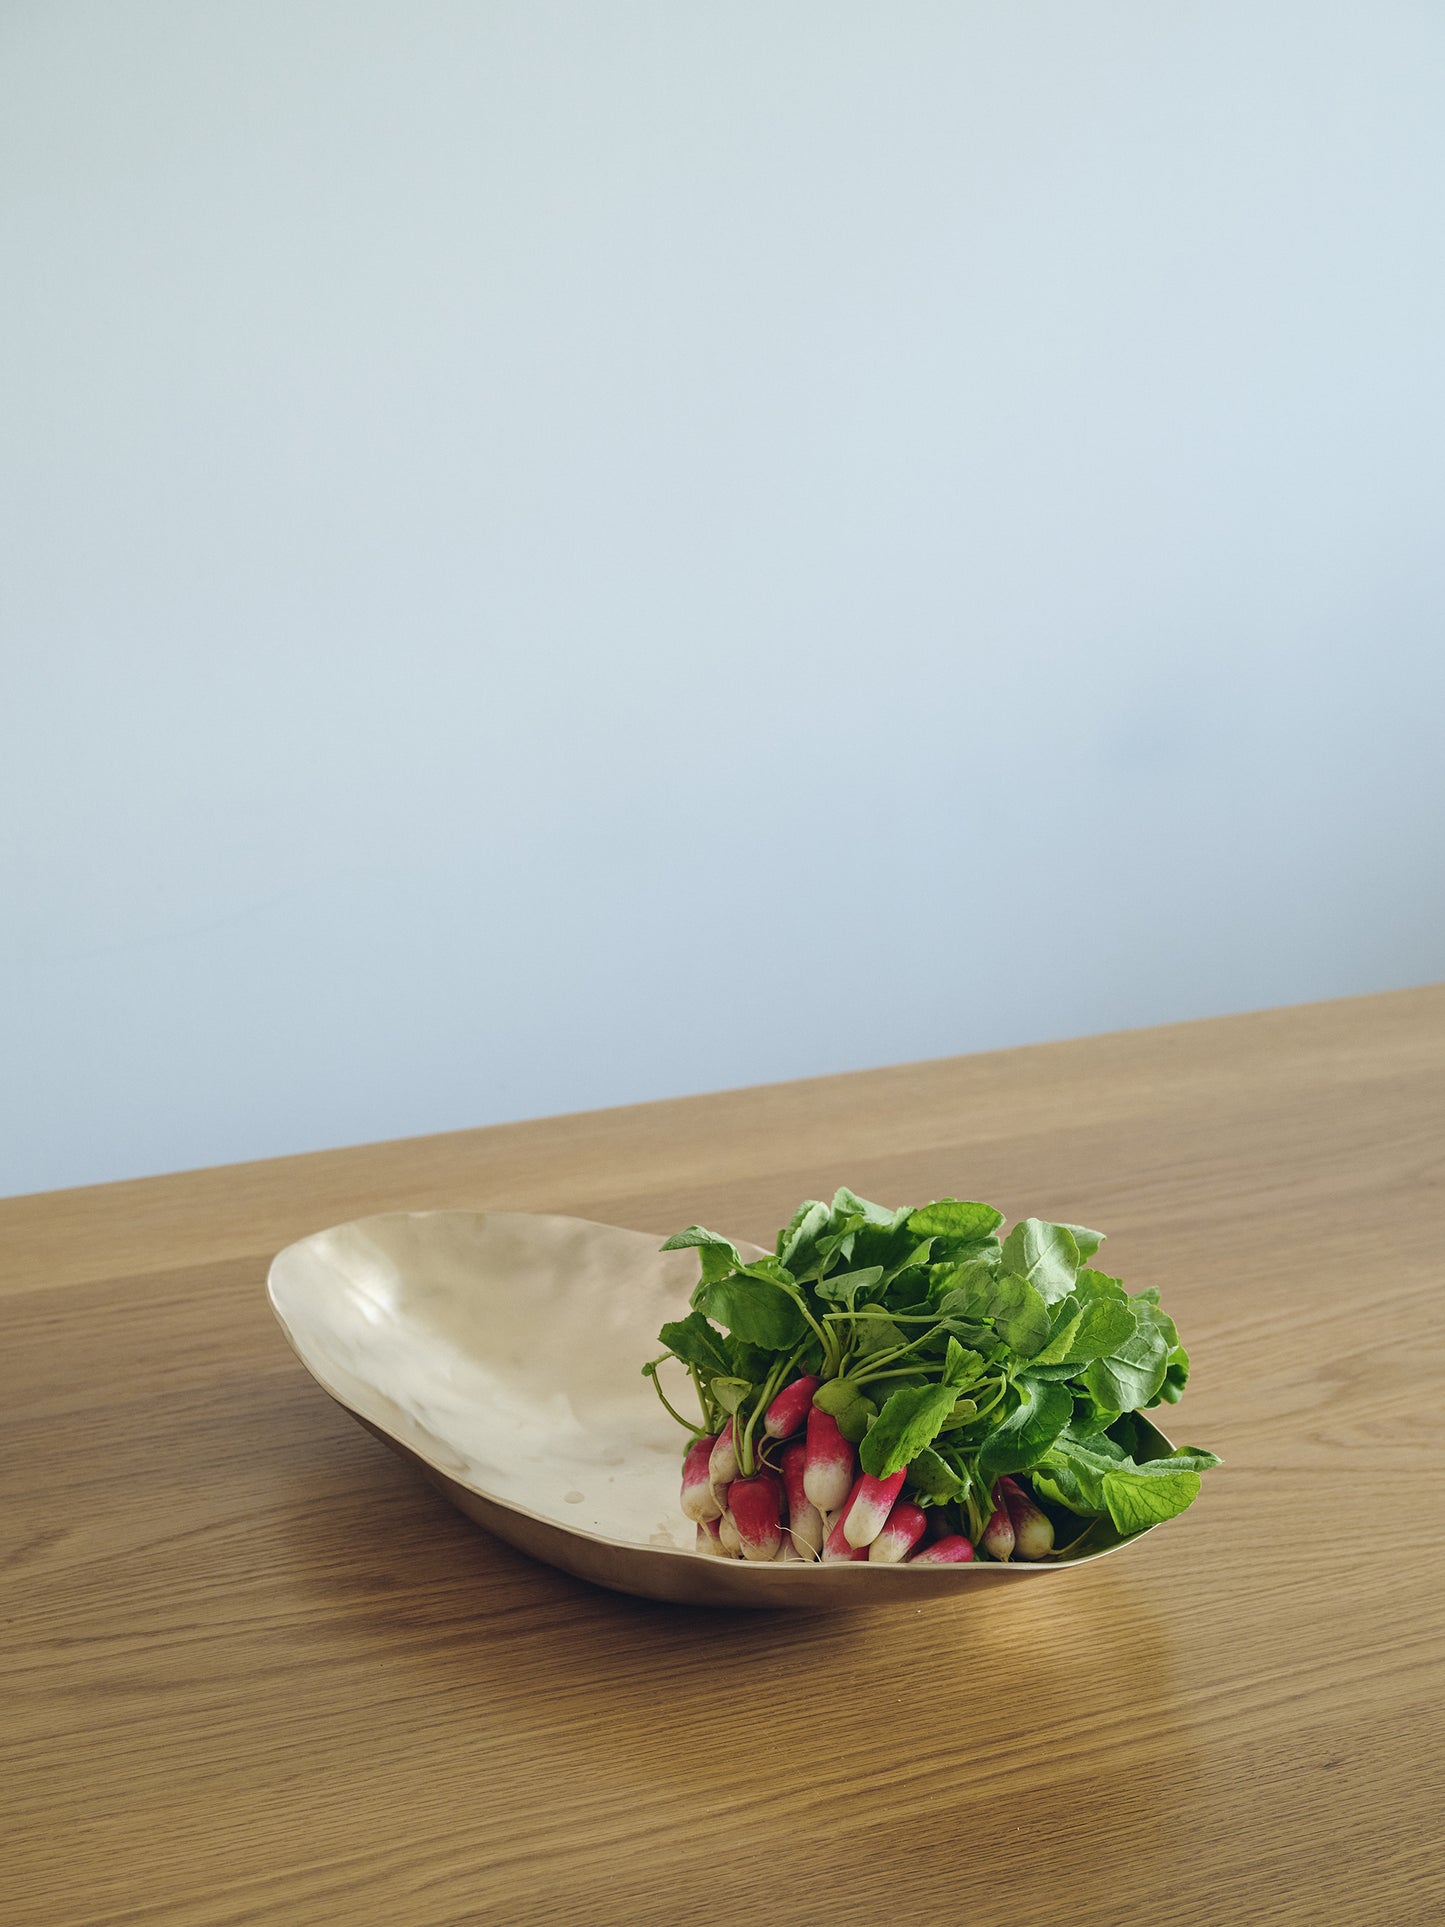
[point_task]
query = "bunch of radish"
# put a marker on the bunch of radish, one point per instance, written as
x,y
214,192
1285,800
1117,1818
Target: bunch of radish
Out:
x,y
991,1382
809,1499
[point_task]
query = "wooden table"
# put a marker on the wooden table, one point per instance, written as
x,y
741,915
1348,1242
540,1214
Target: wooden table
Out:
x,y
253,1670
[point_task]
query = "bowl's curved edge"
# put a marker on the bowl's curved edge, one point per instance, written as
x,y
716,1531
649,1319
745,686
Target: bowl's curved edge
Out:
x,y
672,1573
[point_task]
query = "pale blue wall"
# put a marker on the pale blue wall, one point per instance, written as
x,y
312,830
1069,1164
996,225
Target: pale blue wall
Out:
x,y
562,553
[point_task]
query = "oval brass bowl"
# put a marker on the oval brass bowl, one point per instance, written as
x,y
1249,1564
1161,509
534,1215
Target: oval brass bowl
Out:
x,y
501,1353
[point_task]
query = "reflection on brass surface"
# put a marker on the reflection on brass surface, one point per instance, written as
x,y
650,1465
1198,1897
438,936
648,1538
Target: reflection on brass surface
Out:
x,y
501,1352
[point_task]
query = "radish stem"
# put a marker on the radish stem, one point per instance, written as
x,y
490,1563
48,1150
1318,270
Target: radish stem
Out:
x,y
686,1423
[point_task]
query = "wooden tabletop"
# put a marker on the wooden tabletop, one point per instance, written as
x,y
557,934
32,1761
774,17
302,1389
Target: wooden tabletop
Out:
x,y
253,1670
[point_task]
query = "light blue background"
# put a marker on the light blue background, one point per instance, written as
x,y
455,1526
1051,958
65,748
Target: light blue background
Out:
x,y
564,553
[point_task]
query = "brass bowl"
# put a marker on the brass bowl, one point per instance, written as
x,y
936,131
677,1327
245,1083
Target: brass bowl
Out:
x,y
501,1353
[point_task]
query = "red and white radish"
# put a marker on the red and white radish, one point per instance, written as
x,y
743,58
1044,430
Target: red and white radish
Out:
x,y
870,1503
789,1410
998,1534
805,1521
836,1545
699,1501
756,1506
722,1465
905,1526
829,1468
1033,1529
708,1539
728,1538
953,1551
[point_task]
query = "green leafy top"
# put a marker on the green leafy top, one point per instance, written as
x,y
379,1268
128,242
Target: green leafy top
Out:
x,y
944,1349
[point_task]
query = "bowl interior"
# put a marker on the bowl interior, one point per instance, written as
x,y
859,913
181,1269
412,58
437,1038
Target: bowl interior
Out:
x,y
505,1349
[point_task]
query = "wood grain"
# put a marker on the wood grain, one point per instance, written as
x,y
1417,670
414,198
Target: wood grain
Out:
x,y
252,1670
